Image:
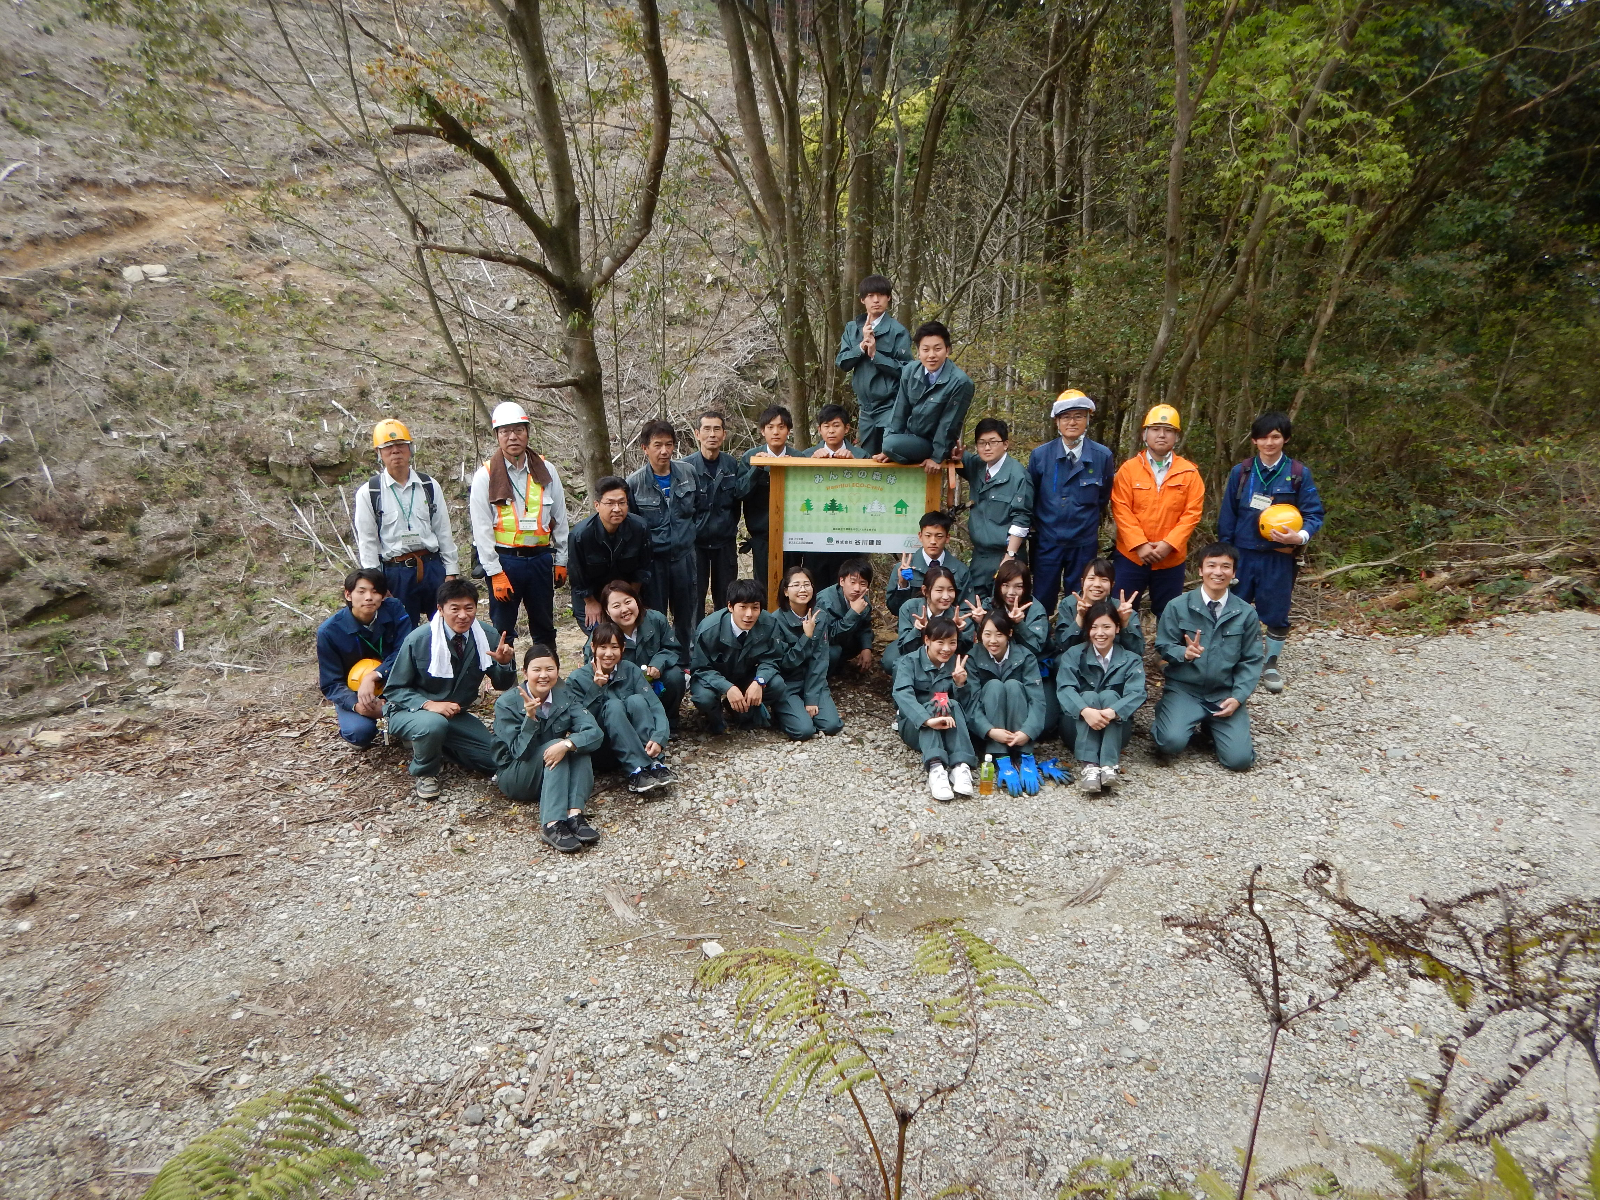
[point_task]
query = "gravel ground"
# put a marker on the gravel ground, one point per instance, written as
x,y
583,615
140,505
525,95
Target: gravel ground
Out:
x,y
224,899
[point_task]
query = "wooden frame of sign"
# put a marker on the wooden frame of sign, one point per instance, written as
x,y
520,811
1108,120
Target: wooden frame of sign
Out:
x,y
778,469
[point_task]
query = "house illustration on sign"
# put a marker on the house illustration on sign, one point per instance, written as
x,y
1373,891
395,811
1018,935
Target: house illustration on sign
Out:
x,y
900,507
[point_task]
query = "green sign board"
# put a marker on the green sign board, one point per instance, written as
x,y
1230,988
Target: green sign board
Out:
x,y
871,509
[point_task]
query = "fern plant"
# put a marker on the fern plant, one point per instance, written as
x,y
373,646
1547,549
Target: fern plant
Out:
x,y
841,1038
280,1145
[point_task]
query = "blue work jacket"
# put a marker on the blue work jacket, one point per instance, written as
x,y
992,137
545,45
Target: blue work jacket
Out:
x,y
1070,497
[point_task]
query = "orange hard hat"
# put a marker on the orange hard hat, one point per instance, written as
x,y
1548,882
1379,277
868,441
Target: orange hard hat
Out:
x,y
1280,518
360,671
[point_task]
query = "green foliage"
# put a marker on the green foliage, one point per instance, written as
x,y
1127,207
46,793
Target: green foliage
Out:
x,y
281,1144
1114,1179
949,947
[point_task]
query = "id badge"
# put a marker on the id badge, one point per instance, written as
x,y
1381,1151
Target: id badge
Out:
x,y
528,523
1260,502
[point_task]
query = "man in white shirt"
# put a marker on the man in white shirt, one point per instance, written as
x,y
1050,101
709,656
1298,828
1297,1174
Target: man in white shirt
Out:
x,y
519,528
402,525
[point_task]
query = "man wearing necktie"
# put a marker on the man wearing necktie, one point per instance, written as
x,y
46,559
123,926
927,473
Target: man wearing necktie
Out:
x,y
1209,641
1072,478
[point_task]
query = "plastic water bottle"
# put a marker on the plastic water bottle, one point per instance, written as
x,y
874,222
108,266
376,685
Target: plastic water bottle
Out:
x,y
986,775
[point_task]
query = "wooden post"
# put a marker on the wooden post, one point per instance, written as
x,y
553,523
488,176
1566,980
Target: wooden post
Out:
x,y
934,497
779,477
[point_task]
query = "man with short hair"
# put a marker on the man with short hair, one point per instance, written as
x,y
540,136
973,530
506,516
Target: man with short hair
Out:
x,y
847,607
1269,561
724,481
833,441
1072,478
366,632
930,406
1001,509
666,494
735,662
519,526
1157,499
874,348
775,424
436,679
1210,642
609,544
933,532
402,524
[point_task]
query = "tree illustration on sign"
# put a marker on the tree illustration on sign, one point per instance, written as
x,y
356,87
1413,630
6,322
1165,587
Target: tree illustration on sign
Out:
x,y
806,505
875,507
833,506
900,507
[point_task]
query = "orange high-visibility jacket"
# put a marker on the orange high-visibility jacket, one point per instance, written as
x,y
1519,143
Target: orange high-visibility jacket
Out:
x,y
1145,513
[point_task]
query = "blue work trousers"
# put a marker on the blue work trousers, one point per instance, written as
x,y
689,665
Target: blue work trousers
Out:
x,y
1266,579
420,597
1163,586
533,585
1052,562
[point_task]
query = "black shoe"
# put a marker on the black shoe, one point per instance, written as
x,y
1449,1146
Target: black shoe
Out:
x,y
641,780
661,775
586,833
558,836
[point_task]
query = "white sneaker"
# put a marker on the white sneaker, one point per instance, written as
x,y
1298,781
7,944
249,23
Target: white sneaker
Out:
x,y
961,779
1089,778
429,787
939,783
1109,776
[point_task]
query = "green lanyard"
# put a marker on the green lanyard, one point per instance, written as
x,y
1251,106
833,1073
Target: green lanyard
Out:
x,y
377,651
405,510
1266,480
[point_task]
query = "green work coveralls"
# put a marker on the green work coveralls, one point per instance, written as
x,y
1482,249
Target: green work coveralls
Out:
x,y
1004,695
1229,665
999,505
520,737
462,739
916,682
1081,683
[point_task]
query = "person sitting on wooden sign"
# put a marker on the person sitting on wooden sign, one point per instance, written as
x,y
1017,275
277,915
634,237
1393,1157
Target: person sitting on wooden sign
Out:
x,y
931,405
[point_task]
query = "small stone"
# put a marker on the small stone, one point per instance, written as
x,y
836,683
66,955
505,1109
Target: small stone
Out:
x,y
472,1181
132,274
711,949
540,1146
635,1118
472,1115
154,659
24,926
510,1096
570,1177
424,1159
425,1174
153,270
1140,1026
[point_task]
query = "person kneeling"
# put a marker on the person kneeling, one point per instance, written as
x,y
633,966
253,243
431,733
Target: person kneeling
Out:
x,y
543,739
1210,641
1100,684
435,681
805,632
624,703
1006,707
931,719
356,649
735,661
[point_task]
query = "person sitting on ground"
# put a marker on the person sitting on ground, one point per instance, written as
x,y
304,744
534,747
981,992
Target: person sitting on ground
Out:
x,y
848,607
649,643
927,684
938,599
1099,685
610,543
1013,595
734,662
368,629
1211,643
1099,575
805,628
544,739
1001,511
622,701
436,679
1005,703
933,531
930,405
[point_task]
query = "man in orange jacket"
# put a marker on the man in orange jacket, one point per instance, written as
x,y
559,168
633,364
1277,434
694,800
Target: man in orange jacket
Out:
x,y
1156,501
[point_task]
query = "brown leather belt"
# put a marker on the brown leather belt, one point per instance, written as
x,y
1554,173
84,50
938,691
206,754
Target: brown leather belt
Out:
x,y
417,558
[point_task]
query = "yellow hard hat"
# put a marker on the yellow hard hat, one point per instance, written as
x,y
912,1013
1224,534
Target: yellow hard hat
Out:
x,y
1162,414
1280,518
360,671
388,432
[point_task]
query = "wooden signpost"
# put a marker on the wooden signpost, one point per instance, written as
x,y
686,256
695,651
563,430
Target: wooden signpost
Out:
x,y
843,506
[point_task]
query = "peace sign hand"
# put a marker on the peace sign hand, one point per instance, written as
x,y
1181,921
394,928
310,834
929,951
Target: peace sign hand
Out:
x,y
504,652
920,620
958,676
809,624
976,609
1192,647
1125,606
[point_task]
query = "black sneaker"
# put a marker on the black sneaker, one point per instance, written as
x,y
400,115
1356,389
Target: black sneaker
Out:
x,y
558,836
661,775
586,833
641,780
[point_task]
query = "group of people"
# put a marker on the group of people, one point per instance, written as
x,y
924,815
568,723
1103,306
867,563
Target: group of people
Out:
x,y
984,661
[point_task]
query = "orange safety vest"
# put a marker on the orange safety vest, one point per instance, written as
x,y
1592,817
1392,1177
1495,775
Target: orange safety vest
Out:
x,y
506,526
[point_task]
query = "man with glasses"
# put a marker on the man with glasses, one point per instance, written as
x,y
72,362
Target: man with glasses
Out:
x,y
402,525
1001,508
608,545
1072,478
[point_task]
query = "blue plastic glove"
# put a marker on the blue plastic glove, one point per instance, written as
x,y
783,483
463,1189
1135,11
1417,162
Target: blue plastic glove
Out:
x,y
1006,775
1052,770
1030,775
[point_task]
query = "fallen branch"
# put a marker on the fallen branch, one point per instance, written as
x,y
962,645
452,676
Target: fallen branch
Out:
x,y
1406,597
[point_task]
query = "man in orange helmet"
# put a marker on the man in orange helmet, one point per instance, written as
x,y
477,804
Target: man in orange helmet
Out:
x,y
1156,500
403,525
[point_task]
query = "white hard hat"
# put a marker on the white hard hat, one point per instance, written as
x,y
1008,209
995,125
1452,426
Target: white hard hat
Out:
x,y
1068,400
508,413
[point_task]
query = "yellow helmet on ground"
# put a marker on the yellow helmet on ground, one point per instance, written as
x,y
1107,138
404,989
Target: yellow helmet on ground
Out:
x,y
1280,518
360,671
1162,414
388,432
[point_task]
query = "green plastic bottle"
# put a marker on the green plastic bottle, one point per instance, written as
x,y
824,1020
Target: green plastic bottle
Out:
x,y
986,775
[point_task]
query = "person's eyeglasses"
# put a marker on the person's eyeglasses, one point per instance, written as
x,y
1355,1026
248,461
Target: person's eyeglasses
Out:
x,y
990,444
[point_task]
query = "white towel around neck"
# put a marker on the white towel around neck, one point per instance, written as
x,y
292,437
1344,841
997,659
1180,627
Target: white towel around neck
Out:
x,y
439,648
